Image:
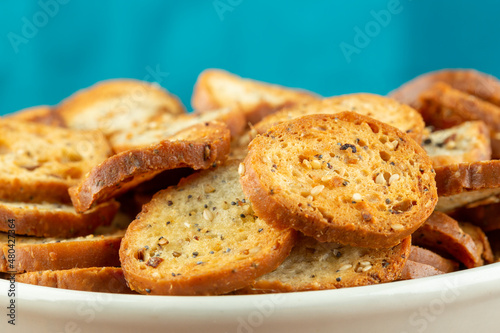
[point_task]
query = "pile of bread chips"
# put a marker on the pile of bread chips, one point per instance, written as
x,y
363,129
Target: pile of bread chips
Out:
x,y
261,189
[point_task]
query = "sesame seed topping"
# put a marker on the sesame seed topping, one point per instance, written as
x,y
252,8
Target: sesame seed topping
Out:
x,y
326,178
317,190
209,188
397,227
366,268
162,241
344,267
208,215
357,197
365,263
393,178
380,179
316,164
307,164
241,169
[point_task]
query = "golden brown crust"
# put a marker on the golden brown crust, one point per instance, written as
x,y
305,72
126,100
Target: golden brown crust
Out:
x,y
316,266
424,256
465,177
217,88
417,270
34,255
96,279
443,234
334,214
470,81
125,170
42,114
55,220
384,109
201,238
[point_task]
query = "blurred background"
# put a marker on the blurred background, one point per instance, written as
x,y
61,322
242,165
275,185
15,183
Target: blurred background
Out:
x,y
51,48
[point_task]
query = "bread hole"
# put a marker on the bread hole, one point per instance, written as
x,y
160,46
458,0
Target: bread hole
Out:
x,y
284,145
385,156
374,128
362,143
404,206
383,139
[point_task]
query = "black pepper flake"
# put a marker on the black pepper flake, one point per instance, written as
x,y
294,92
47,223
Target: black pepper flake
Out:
x,y
347,146
195,254
233,203
168,222
345,183
169,203
338,279
261,229
392,163
190,196
173,274
275,166
206,206
313,276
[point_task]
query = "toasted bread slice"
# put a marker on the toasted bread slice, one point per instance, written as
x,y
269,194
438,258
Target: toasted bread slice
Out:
x,y
444,107
54,220
479,237
39,254
343,178
239,145
96,279
381,108
199,147
38,163
417,270
42,114
315,266
466,183
465,143
442,234
216,88
117,105
483,216
470,81
171,126
425,256
201,238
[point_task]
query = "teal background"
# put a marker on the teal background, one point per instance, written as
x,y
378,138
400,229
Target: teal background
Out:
x,y
294,43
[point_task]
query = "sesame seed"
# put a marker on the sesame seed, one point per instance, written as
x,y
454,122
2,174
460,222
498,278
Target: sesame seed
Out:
x,y
209,188
176,254
317,190
397,227
310,198
208,215
241,169
225,205
365,263
326,178
344,267
380,179
170,203
187,224
393,178
357,197
162,241
315,164
366,268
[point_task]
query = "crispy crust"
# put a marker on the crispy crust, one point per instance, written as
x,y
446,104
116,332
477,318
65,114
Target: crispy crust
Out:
x,y
417,270
272,203
32,221
378,107
218,267
443,234
465,177
125,170
302,271
96,279
207,97
424,256
97,251
43,114
470,81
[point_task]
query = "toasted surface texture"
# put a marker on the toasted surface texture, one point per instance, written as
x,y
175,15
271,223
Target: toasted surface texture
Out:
x,y
425,256
465,183
479,237
465,143
384,109
343,178
54,220
443,234
315,266
216,88
39,254
201,238
117,105
175,127
38,163
42,114
444,107
96,279
200,147
469,81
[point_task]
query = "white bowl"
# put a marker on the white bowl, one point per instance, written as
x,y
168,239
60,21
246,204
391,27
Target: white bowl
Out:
x,y
465,301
